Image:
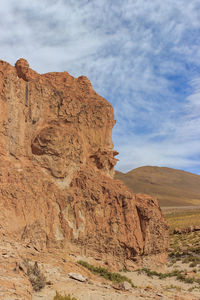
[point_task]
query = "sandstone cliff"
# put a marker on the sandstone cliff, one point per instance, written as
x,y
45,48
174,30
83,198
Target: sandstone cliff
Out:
x,y
56,168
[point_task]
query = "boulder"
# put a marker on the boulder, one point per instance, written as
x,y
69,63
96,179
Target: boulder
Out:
x,y
126,286
77,276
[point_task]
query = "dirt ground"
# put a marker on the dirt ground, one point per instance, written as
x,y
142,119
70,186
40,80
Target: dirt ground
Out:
x,y
184,260
97,288
180,282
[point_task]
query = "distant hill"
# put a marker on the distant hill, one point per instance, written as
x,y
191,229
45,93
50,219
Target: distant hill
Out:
x,y
171,187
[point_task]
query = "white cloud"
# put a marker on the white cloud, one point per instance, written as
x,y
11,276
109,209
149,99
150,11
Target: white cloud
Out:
x,y
142,55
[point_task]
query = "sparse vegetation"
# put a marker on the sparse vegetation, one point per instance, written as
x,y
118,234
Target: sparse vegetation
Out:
x,y
196,287
178,274
184,251
183,219
115,277
184,247
125,270
58,296
173,287
35,275
151,273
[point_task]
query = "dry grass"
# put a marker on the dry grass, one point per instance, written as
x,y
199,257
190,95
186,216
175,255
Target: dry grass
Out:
x,y
58,296
115,277
35,275
183,219
184,253
185,248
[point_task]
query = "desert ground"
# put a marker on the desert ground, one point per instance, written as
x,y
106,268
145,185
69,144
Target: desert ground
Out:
x,y
179,279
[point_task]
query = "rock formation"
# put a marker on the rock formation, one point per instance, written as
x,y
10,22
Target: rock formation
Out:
x,y
57,164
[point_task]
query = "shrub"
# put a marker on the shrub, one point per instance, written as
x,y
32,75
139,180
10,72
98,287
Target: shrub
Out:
x,y
116,277
60,297
160,275
193,264
176,273
35,276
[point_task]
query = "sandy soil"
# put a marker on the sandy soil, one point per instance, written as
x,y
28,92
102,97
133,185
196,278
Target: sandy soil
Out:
x,y
96,288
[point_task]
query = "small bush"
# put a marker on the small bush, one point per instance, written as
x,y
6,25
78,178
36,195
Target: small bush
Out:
x,y
176,273
116,277
193,264
60,297
160,275
169,287
194,259
35,276
193,288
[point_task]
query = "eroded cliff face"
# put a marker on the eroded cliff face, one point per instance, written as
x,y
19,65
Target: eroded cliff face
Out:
x,y
57,163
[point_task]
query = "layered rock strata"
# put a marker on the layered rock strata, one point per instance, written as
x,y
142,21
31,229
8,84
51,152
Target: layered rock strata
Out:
x,y
56,168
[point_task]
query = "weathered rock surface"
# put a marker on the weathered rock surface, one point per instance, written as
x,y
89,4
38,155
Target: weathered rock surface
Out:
x,y
56,167
77,276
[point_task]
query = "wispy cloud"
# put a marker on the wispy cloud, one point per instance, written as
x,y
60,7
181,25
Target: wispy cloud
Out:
x,y
143,56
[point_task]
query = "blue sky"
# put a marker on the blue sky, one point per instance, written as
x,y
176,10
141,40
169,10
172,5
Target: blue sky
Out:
x,y
143,56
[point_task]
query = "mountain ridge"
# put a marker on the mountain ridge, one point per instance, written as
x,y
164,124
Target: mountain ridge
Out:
x,y
172,187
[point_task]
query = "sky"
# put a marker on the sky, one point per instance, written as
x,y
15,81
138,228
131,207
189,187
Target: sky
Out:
x,y
143,56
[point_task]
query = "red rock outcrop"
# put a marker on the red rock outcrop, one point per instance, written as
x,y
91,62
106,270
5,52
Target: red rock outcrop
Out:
x,y
57,163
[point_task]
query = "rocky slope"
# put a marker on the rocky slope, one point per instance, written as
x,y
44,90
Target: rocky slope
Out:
x,y
170,186
56,186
